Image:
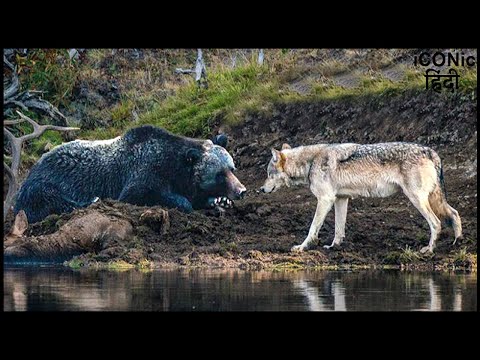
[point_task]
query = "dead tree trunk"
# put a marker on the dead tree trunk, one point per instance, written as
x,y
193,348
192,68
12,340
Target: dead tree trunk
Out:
x,y
260,57
16,150
200,70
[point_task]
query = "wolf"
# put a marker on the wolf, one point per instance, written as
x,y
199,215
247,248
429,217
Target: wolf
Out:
x,y
336,173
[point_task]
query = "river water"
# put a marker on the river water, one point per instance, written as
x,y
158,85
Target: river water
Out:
x,y
63,289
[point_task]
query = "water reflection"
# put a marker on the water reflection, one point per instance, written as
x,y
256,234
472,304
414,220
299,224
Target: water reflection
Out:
x,y
65,289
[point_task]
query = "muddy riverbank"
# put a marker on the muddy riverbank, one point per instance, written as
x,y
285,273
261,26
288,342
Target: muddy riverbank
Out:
x,y
260,230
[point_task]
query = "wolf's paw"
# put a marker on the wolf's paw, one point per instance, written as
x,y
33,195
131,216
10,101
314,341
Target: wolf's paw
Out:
x,y
426,249
459,239
328,246
297,248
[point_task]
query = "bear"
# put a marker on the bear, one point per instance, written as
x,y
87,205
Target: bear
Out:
x,y
146,166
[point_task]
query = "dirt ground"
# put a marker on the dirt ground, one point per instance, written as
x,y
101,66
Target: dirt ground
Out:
x,y
260,230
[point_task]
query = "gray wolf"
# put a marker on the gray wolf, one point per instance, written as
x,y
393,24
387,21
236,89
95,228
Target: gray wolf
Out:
x,y
337,172
146,166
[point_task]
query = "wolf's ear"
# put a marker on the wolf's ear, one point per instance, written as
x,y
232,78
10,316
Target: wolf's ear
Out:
x,y
221,140
192,155
20,225
286,146
275,155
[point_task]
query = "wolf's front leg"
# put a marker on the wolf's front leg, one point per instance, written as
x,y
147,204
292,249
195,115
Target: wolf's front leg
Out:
x,y
324,205
341,205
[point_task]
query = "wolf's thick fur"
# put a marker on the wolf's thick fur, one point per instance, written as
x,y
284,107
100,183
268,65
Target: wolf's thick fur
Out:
x,y
337,172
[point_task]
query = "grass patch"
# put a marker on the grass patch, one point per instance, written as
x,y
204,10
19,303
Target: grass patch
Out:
x,y
409,256
462,258
45,143
369,85
192,110
75,263
121,114
119,265
51,71
329,68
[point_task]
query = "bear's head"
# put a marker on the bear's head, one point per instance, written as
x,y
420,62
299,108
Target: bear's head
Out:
x,y
213,172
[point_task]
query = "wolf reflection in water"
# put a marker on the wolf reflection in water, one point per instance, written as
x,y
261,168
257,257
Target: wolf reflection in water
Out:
x,y
63,289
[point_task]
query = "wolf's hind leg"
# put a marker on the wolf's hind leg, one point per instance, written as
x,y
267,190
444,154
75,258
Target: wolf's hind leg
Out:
x,y
420,201
341,206
324,205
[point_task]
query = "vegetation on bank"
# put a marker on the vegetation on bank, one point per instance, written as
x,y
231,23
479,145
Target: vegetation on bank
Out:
x,y
119,91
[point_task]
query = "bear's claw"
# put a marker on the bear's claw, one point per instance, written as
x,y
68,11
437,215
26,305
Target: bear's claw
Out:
x,y
221,202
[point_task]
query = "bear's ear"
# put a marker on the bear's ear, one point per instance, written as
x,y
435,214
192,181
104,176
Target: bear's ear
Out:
x,y
221,140
286,146
192,155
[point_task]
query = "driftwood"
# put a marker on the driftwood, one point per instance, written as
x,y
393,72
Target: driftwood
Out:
x,y
29,100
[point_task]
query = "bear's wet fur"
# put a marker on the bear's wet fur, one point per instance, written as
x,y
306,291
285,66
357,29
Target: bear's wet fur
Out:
x,y
146,166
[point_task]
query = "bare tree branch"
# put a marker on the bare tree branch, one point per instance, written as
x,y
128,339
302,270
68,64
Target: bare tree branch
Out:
x,y
25,100
40,129
15,85
15,102
8,171
8,63
184,71
10,136
16,149
13,122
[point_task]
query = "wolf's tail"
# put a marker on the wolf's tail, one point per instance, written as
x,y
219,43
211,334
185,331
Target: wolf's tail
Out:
x,y
438,197
442,181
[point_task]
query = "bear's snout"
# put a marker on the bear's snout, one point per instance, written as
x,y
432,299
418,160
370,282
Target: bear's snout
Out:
x,y
241,192
236,190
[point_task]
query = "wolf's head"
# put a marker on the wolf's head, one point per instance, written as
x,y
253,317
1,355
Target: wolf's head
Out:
x,y
277,177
